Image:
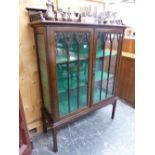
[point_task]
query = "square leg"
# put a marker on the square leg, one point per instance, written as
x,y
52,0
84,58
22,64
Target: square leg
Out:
x,y
113,109
44,122
55,146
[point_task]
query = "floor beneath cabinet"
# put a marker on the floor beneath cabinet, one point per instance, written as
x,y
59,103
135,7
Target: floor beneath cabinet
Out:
x,y
95,134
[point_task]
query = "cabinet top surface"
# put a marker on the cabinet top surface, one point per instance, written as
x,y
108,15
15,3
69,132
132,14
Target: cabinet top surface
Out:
x,y
62,23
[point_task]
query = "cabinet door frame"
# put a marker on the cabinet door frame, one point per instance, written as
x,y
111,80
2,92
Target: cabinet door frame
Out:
x,y
53,65
119,31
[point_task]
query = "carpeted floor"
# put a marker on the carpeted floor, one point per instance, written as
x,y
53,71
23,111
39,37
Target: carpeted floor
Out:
x,y
95,134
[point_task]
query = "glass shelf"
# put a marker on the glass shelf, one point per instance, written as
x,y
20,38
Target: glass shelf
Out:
x,y
63,59
62,85
72,57
61,52
99,53
62,56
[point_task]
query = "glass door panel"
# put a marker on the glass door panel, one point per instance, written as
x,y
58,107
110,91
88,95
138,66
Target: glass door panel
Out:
x,y
62,75
72,53
104,70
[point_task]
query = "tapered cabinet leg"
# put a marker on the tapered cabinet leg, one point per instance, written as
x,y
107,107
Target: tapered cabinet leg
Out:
x,y
55,146
113,109
44,126
44,122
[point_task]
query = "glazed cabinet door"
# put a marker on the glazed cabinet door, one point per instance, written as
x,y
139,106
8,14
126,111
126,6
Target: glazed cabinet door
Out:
x,y
73,48
107,48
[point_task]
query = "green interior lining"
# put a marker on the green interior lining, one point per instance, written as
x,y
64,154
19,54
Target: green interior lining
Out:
x,y
63,94
63,101
83,83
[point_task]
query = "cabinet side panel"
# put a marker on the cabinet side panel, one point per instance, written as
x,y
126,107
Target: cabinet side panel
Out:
x,y
43,70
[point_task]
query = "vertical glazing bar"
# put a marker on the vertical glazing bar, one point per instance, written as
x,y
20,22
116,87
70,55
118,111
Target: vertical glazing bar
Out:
x,y
78,74
67,44
102,66
68,79
109,65
87,72
118,44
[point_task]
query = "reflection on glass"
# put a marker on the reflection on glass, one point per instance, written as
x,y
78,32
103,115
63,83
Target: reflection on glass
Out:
x,y
72,50
111,80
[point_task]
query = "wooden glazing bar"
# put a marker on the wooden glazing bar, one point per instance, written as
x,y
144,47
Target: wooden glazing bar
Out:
x,y
88,42
88,71
102,68
118,41
94,66
68,79
109,65
67,52
78,69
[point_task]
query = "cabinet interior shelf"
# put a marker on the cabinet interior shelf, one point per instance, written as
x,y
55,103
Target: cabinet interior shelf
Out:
x,y
99,54
63,59
63,83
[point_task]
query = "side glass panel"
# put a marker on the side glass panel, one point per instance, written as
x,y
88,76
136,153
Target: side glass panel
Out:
x,y
43,70
72,51
104,71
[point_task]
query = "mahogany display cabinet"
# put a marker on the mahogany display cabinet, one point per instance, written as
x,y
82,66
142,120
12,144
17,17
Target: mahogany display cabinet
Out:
x,y
78,65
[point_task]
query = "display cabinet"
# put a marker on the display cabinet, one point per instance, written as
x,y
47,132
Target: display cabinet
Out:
x,y
78,65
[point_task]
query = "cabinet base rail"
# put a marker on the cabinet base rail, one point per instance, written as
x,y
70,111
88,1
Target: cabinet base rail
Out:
x,y
46,118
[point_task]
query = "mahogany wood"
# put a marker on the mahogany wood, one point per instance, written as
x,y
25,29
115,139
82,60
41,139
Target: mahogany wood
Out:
x,y
79,24
48,28
50,43
120,41
113,109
